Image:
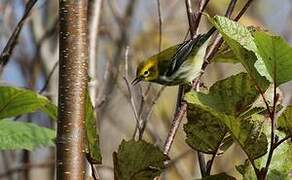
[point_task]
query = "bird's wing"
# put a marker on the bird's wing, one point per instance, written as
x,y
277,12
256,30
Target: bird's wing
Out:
x,y
182,54
185,49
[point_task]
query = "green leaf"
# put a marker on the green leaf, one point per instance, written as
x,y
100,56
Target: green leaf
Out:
x,y
204,131
248,134
225,55
235,31
138,160
23,135
276,54
281,165
92,137
284,122
221,176
224,103
16,101
246,171
241,41
232,96
277,175
51,110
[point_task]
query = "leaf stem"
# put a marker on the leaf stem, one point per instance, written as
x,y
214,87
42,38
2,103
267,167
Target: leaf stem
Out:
x,y
210,163
276,144
272,117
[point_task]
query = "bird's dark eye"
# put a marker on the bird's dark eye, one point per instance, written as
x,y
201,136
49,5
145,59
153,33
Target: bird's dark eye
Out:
x,y
146,73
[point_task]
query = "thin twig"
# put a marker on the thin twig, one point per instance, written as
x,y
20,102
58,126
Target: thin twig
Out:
x,y
190,18
195,18
144,122
281,141
94,12
160,25
272,117
198,14
126,77
8,49
147,90
49,78
94,174
174,127
230,8
243,10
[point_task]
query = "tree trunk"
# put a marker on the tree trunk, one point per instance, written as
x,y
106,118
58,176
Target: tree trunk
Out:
x,y
72,89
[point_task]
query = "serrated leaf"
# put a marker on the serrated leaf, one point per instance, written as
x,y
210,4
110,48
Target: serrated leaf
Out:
x,y
246,133
92,137
276,54
204,131
234,31
221,176
231,96
138,160
22,135
249,135
241,41
16,101
225,101
284,122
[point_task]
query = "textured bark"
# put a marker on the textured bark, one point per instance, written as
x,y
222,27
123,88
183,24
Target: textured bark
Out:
x,y
72,89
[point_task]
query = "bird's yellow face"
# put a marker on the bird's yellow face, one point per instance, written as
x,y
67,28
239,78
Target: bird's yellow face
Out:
x,y
147,71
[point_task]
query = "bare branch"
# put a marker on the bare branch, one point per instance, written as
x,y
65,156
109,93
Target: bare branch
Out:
x,y
174,127
8,49
198,14
49,78
94,172
93,18
230,8
144,121
160,25
243,10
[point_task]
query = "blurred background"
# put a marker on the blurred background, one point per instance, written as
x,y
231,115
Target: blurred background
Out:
x,y
121,24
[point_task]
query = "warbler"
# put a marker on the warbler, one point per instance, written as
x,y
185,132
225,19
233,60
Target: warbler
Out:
x,y
176,65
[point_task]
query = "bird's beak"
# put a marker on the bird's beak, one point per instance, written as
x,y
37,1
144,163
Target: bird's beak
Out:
x,y
136,81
